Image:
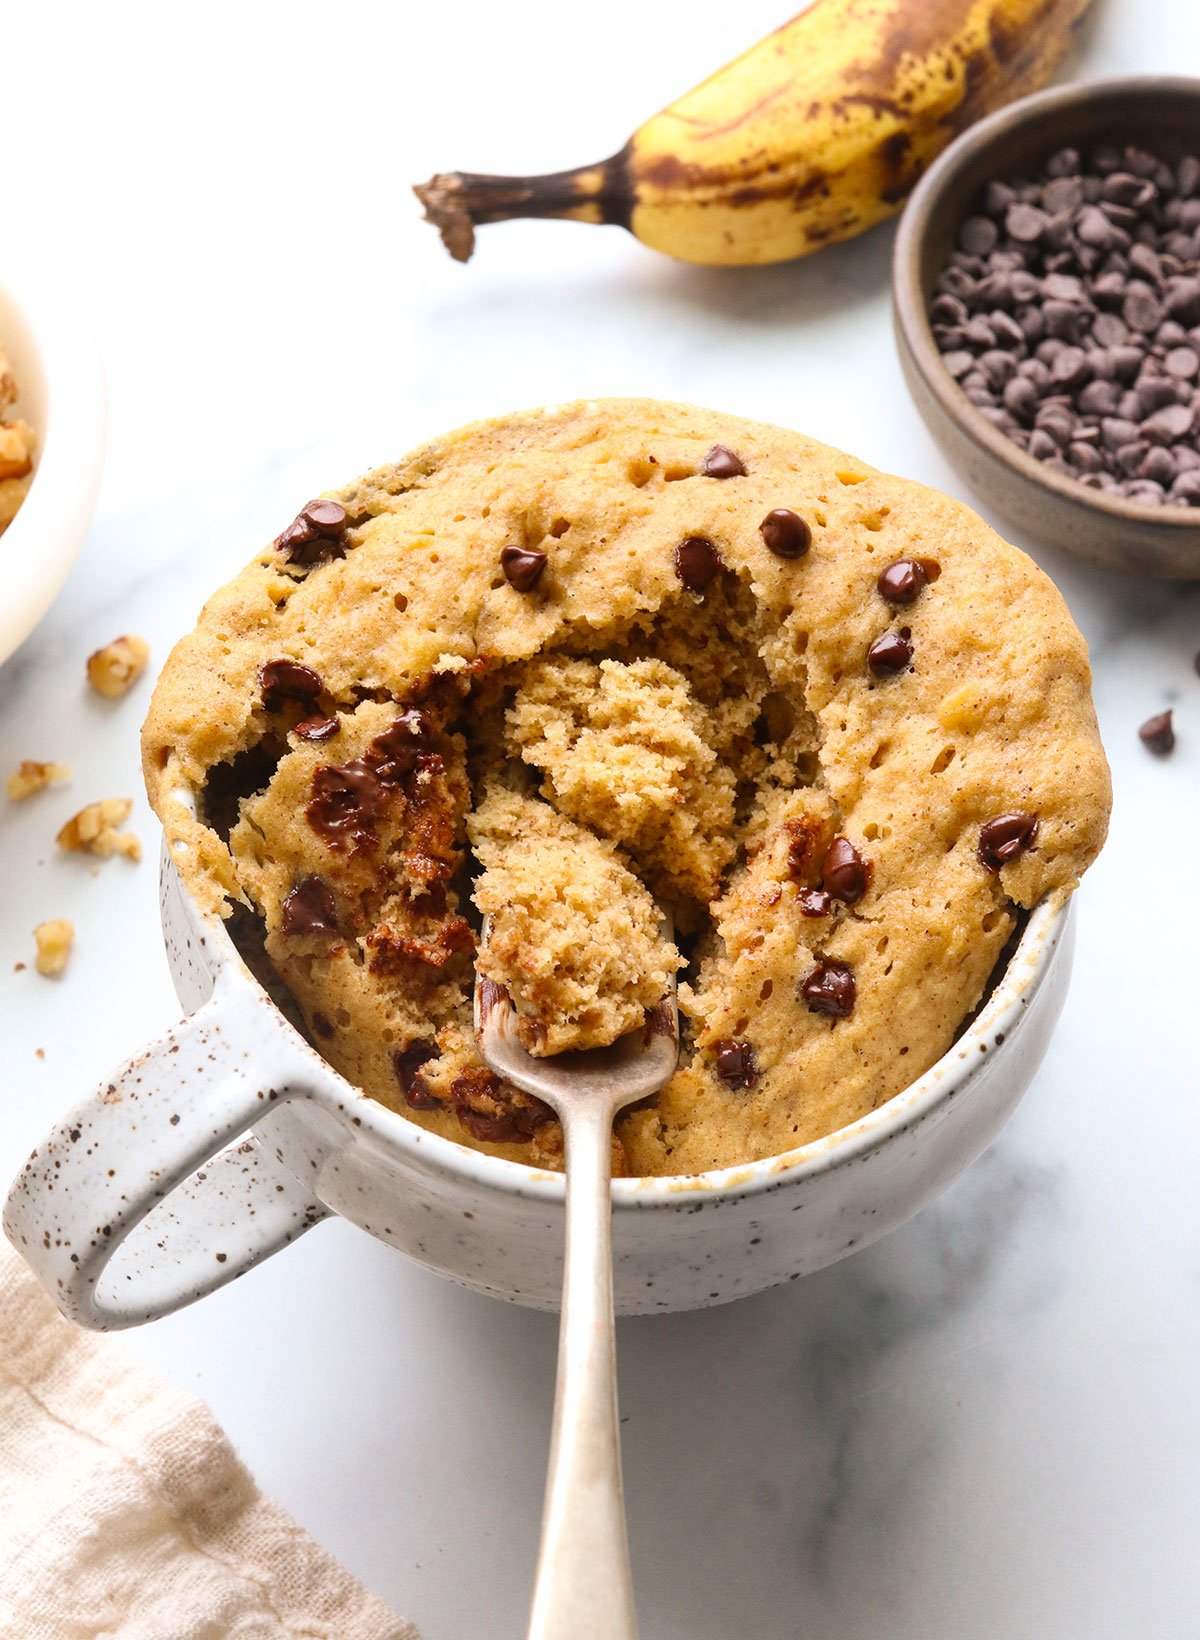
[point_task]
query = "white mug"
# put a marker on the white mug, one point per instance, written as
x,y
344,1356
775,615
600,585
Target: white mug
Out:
x,y
230,1137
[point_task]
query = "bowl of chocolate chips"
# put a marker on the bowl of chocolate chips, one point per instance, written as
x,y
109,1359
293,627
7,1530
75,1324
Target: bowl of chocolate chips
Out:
x,y
1047,309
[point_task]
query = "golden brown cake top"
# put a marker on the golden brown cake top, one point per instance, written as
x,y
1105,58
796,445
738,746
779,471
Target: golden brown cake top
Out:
x,y
835,723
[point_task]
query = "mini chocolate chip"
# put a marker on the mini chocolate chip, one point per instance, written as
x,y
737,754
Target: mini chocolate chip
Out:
x,y
785,533
903,582
1158,733
722,463
735,1064
891,652
1005,838
323,1025
522,567
1025,223
830,989
407,1061
287,680
316,728
845,874
696,562
317,531
328,518
310,908
814,902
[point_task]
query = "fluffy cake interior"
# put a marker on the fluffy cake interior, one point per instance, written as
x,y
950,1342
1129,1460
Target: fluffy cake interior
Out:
x,y
623,717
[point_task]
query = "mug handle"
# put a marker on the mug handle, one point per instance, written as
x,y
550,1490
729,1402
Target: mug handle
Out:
x,y
155,1137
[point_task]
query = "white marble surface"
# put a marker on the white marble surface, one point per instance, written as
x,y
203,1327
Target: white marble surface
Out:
x,y
985,1426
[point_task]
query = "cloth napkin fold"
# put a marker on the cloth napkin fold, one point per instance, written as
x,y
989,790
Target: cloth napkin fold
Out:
x,y
125,1513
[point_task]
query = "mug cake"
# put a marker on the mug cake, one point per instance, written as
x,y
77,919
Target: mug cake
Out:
x,y
661,692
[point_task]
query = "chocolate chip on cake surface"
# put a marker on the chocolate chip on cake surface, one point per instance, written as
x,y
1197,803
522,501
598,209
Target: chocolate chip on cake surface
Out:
x,y
786,534
310,908
287,680
696,562
721,462
317,531
328,518
522,567
891,652
1158,732
316,728
830,989
734,1063
845,874
903,582
814,902
1005,839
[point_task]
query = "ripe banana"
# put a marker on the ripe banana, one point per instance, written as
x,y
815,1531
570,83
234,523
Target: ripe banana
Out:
x,y
813,135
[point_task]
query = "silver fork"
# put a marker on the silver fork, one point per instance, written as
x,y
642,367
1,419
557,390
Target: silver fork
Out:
x,y
583,1589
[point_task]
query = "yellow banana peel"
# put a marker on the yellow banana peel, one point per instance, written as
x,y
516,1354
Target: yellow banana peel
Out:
x,y
813,135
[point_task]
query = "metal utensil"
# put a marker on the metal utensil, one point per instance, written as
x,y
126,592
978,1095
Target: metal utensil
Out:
x,y
583,1589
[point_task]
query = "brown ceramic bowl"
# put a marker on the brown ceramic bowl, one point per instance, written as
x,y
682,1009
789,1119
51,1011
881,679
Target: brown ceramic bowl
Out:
x,y
1162,115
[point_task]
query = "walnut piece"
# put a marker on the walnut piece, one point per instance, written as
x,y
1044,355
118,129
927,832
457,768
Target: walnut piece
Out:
x,y
113,670
16,449
33,777
8,383
17,440
94,830
53,945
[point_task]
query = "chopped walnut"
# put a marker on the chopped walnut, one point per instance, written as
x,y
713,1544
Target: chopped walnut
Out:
x,y
94,830
113,670
12,492
17,440
33,777
16,449
53,945
8,384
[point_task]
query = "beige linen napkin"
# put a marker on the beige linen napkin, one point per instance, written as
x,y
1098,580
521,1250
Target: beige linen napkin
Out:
x,y
126,1515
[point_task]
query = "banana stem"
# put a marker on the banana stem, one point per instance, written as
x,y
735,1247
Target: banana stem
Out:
x,y
457,202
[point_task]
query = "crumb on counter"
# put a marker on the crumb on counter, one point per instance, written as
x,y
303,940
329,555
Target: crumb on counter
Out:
x,y
53,945
113,670
32,777
94,830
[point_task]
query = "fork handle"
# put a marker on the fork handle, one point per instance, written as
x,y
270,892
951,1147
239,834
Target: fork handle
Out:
x,y
584,1590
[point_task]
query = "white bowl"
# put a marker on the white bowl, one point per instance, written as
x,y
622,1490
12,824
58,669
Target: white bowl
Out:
x,y
61,387
230,1137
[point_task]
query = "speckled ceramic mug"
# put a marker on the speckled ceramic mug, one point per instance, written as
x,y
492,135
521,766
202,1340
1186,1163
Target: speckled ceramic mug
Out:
x,y
230,1137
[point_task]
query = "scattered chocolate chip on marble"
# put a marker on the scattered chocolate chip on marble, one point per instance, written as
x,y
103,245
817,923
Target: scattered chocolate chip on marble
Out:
x,y
1005,839
522,567
814,902
786,534
696,563
891,652
1158,733
904,581
316,728
830,989
1069,315
310,908
735,1064
721,462
845,874
287,680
